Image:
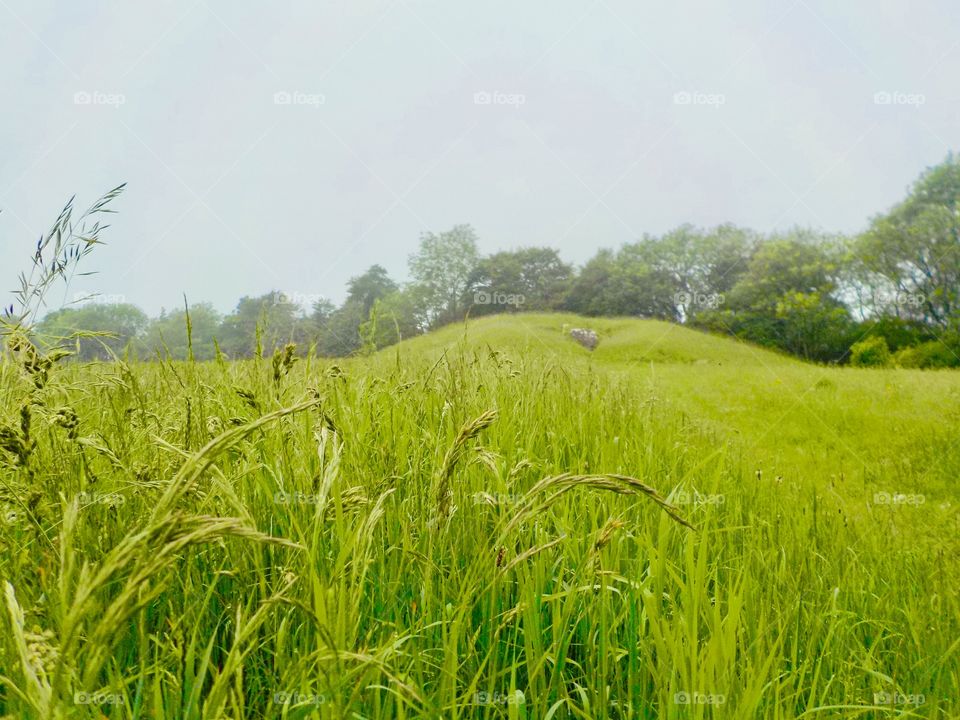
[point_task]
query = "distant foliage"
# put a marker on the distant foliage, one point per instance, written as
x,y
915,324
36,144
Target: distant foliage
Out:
x,y
528,279
872,352
95,331
441,270
808,293
167,335
933,354
913,251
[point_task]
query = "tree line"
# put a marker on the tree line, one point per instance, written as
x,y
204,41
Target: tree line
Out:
x,y
888,295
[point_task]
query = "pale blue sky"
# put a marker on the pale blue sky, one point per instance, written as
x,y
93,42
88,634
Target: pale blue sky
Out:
x,y
605,120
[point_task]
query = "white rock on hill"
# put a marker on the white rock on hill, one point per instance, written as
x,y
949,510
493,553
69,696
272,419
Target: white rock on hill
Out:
x,y
587,338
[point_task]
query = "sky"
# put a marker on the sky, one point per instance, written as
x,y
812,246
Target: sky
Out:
x,y
289,146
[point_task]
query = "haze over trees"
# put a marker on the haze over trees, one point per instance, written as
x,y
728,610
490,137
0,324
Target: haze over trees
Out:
x,y
809,293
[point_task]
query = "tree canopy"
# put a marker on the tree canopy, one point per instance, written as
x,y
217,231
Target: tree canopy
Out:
x,y
809,293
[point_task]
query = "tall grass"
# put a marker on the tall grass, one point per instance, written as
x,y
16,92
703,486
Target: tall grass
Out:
x,y
478,534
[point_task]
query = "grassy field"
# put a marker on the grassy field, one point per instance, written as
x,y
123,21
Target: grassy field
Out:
x,y
488,521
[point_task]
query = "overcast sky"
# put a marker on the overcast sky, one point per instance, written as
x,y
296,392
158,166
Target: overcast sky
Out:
x,y
289,145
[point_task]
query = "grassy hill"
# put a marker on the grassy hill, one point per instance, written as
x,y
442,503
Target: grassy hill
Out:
x,y
623,340
875,428
488,521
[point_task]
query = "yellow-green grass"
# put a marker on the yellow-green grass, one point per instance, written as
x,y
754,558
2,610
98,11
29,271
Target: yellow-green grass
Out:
x,y
431,530
877,429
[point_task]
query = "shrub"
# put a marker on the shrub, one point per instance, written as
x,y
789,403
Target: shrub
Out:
x,y
933,354
872,352
898,332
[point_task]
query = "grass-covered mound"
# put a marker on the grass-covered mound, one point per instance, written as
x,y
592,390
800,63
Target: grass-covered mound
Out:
x,y
489,521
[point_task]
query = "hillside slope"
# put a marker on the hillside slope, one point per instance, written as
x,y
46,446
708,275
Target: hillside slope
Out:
x,y
622,340
790,419
490,511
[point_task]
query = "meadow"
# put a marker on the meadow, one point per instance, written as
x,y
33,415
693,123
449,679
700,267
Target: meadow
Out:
x,y
486,521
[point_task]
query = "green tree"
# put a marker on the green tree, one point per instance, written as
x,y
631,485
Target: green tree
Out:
x,y
118,326
335,329
168,333
441,270
910,256
813,326
588,291
787,298
705,264
392,318
628,282
641,286
277,321
525,279
364,290
338,330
